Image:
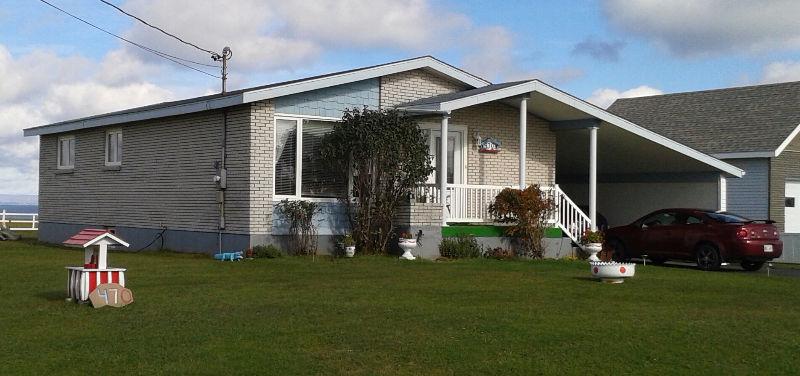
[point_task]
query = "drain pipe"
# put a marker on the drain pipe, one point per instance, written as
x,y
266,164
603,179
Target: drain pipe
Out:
x,y
222,179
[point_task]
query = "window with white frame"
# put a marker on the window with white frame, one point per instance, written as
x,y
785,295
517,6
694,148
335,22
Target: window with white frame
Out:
x,y
114,147
299,168
66,152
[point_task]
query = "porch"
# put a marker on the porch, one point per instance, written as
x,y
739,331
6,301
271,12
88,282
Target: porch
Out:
x,y
567,146
466,203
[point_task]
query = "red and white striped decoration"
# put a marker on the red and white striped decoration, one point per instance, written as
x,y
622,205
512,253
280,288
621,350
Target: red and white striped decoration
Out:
x,y
83,281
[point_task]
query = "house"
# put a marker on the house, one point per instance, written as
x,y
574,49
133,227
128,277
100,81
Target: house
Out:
x,y
204,173
754,128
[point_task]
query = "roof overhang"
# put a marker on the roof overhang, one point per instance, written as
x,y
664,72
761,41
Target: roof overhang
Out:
x,y
787,141
258,94
573,108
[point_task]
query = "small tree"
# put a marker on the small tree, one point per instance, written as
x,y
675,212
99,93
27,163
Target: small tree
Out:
x,y
528,210
386,155
300,215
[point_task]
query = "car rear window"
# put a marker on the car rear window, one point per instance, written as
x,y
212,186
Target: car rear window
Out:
x,y
727,217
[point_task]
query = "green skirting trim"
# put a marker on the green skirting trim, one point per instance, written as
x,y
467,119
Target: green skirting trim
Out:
x,y
489,231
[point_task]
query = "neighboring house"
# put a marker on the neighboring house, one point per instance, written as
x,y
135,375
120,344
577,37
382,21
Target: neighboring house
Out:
x,y
205,173
754,128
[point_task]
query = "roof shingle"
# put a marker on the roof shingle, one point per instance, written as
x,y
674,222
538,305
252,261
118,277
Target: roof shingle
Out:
x,y
736,120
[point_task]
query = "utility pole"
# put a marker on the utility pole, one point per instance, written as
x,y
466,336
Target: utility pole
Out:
x,y
226,55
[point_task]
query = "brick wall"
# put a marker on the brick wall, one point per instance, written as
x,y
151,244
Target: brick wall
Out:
x,y
261,166
412,85
784,167
501,121
416,214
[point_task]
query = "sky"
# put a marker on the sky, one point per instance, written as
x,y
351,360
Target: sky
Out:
x,y
55,68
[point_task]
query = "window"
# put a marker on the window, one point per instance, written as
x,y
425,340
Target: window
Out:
x,y
660,219
299,168
114,148
790,202
66,152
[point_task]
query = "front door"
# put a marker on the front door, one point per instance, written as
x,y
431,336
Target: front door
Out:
x,y
792,207
455,158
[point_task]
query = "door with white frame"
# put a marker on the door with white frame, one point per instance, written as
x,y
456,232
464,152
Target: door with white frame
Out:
x,y
456,154
792,207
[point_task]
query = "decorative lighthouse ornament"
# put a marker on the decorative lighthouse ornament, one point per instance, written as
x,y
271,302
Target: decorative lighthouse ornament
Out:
x,y
95,281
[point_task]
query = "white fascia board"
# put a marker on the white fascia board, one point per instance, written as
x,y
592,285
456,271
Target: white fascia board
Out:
x,y
179,109
787,141
610,118
103,236
489,96
592,110
364,74
748,154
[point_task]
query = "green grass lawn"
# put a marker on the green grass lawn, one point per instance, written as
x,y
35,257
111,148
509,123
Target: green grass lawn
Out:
x,y
378,315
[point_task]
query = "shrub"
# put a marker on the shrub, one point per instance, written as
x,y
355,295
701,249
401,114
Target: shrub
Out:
x,y
385,155
499,253
464,246
300,214
528,211
267,251
590,236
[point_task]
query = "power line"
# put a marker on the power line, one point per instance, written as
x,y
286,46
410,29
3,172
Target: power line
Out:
x,y
214,54
164,55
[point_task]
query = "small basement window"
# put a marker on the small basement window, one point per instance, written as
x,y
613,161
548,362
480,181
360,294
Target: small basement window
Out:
x,y
66,152
114,147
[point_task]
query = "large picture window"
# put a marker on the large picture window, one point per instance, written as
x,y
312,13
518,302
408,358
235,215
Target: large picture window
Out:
x,y
299,168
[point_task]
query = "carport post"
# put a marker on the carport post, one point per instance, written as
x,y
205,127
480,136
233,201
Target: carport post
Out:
x,y
523,139
593,177
443,167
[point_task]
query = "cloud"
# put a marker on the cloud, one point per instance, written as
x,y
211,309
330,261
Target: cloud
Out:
x,y
781,71
44,87
710,27
599,49
605,97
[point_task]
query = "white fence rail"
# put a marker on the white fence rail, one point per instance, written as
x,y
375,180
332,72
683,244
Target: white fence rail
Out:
x,y
568,216
22,221
470,203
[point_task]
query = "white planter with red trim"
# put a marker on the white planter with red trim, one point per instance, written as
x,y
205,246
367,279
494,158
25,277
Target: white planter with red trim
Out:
x,y
82,281
612,272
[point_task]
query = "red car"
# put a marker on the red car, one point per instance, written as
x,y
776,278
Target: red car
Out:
x,y
706,237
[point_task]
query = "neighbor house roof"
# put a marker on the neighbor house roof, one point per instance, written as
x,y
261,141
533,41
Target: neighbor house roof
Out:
x,y
258,93
584,110
752,121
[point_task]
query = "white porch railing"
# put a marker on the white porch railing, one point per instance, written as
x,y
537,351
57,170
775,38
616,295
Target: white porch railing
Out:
x,y
29,220
470,203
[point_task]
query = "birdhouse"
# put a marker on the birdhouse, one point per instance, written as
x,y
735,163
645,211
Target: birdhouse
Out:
x,y
95,270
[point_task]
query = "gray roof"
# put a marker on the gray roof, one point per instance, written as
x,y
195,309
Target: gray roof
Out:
x,y
736,120
461,94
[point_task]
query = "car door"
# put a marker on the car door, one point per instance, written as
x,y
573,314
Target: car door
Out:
x,y
689,230
659,234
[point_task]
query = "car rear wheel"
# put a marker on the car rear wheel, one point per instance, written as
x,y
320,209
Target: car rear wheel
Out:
x,y
708,257
620,253
752,266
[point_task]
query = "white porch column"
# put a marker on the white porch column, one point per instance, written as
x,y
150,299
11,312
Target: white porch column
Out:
x,y
443,168
523,139
593,177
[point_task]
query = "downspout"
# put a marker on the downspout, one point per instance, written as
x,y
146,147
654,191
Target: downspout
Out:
x,y
221,178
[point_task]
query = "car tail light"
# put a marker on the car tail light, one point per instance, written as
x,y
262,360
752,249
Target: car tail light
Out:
x,y
742,233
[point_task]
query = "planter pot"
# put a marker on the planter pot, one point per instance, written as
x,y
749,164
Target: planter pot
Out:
x,y
407,245
593,249
612,272
350,251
